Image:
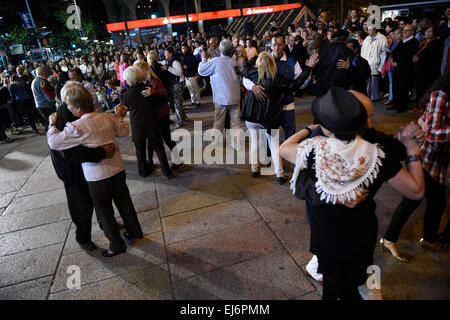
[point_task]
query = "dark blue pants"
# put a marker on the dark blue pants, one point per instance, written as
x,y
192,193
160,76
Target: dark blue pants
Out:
x,y
288,123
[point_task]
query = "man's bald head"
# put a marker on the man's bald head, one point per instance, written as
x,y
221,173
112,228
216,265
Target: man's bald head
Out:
x,y
42,72
367,103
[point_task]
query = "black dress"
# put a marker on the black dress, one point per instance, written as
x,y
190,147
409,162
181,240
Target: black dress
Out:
x,y
344,239
145,130
428,67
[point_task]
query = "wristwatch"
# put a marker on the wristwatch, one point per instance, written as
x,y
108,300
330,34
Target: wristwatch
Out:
x,y
412,158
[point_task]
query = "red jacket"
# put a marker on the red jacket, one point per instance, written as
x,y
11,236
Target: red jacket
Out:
x,y
158,90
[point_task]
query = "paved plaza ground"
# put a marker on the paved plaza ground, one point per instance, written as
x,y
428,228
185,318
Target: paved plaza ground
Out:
x,y
213,232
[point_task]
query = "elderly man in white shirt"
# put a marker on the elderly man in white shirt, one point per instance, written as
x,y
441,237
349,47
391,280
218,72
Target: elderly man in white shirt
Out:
x,y
106,179
373,49
225,85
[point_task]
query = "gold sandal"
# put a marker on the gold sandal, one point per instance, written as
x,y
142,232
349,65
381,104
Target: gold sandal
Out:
x,y
386,249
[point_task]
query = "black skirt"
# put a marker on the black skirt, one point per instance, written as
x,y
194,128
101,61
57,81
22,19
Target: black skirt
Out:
x,y
344,240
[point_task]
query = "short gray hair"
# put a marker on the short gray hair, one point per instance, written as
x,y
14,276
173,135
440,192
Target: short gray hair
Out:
x,y
133,76
226,47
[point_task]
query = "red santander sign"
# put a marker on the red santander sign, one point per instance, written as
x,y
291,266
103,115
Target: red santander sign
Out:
x,y
135,24
270,9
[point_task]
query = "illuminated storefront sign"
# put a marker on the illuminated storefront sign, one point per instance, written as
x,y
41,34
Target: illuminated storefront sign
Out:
x,y
135,24
270,9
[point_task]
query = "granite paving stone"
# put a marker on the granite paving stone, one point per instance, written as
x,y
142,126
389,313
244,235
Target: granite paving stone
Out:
x,y
401,279
144,253
267,192
190,200
138,184
6,198
315,295
227,247
242,176
280,213
97,237
39,200
7,186
56,210
249,280
153,281
33,238
208,220
43,181
202,178
144,201
30,290
33,218
29,265
109,289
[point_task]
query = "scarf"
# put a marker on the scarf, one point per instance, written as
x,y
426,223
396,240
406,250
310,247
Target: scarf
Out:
x,y
423,45
343,170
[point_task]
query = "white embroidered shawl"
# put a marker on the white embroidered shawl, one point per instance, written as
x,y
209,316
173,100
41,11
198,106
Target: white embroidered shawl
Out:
x,y
343,170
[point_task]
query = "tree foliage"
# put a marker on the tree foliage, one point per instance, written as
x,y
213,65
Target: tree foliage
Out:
x,y
64,38
17,35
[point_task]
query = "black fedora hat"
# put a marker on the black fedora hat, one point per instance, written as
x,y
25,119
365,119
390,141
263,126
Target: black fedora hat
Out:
x,y
340,112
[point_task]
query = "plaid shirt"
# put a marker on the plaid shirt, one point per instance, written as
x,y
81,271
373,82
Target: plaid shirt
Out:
x,y
435,150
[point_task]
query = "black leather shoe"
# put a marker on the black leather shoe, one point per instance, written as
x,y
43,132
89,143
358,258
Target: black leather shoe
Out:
x,y
175,166
256,174
130,237
281,180
88,246
107,254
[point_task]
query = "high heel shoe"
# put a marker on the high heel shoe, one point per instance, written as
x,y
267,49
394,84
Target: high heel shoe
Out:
x,y
386,249
429,245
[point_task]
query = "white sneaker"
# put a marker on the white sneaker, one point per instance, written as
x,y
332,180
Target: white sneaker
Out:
x,y
312,267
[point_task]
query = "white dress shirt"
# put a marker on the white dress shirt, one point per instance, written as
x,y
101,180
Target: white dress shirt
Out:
x,y
176,69
225,82
92,130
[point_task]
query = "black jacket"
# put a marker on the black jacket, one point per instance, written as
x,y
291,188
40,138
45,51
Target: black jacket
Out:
x,y
268,112
403,55
192,63
298,52
67,163
359,72
143,117
328,75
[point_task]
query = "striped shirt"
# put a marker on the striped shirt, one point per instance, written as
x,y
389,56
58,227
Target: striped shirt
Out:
x,y
435,150
92,130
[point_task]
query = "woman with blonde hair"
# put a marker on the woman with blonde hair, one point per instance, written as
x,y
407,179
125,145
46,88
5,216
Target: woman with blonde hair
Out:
x,y
240,56
266,114
153,61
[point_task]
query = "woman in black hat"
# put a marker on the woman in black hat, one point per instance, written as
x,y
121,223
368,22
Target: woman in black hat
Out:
x,y
343,168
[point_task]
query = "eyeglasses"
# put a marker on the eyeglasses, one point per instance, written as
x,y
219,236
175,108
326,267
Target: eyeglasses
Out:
x,y
408,30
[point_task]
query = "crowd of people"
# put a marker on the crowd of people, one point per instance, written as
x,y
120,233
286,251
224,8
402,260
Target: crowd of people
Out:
x,y
254,82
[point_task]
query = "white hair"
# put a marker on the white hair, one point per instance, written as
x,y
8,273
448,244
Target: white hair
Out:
x,y
133,76
226,47
67,85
